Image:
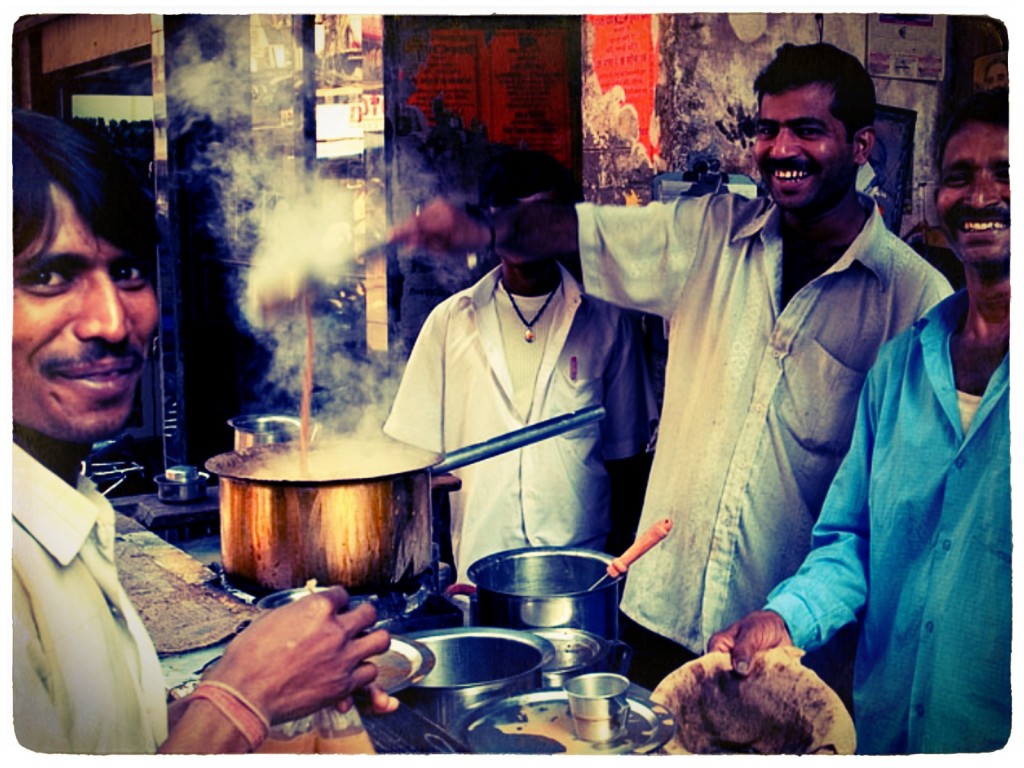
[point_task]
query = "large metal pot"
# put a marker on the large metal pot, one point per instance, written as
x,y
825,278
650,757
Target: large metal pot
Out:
x,y
335,519
473,665
356,512
546,587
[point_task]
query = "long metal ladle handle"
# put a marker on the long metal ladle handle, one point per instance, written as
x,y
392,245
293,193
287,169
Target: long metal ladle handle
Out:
x,y
643,542
519,438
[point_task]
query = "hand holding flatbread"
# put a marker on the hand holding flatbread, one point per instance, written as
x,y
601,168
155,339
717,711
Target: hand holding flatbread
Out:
x,y
779,707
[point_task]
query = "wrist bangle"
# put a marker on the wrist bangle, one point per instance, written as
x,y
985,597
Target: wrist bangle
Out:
x,y
241,712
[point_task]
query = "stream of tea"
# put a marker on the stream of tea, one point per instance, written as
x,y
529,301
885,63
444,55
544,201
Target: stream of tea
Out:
x,y
307,385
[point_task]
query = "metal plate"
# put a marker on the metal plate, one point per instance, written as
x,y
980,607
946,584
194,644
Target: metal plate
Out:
x,y
405,663
286,596
539,723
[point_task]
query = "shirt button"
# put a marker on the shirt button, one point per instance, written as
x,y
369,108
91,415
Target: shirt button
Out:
x,y
947,544
919,710
929,626
959,462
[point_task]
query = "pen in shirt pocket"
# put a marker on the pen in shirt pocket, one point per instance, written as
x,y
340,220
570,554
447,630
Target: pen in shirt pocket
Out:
x,y
574,368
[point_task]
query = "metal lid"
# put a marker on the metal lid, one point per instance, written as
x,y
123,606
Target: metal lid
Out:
x,y
182,473
574,648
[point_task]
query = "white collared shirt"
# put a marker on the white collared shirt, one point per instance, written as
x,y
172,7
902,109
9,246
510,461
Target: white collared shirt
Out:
x,y
457,391
87,679
759,399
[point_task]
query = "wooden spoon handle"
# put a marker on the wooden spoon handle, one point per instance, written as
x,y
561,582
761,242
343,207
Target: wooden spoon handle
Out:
x,y
643,542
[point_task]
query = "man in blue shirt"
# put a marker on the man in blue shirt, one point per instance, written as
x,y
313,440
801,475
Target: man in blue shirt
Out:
x,y
913,542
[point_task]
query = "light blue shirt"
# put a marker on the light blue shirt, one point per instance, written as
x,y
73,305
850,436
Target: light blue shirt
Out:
x,y
914,541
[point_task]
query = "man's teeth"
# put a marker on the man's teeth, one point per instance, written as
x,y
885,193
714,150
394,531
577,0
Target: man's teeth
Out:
x,y
983,226
790,175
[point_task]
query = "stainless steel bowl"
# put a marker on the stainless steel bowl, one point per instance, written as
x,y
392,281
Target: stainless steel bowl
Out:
x,y
474,665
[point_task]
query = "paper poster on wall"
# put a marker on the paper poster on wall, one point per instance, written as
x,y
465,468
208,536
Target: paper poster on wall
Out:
x,y
449,81
512,83
530,90
624,55
908,46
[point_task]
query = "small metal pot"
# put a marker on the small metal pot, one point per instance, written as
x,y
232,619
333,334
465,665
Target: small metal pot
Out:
x,y
181,484
546,587
473,665
262,429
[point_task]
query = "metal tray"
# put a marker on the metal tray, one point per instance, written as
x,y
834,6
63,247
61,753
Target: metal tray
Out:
x,y
539,723
403,664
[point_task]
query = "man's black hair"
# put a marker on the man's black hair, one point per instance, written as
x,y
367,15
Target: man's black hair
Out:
x,y
990,107
104,189
519,173
795,66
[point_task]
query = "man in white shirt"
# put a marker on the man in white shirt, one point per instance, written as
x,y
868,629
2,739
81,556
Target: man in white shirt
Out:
x,y
776,309
521,346
86,676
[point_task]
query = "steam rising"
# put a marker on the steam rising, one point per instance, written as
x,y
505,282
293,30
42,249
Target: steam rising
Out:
x,y
296,231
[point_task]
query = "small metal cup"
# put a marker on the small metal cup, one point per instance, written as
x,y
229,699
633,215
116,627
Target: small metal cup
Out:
x,y
598,706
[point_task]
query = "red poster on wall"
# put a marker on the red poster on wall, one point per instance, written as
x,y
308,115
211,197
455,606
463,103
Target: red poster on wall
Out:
x,y
530,91
517,85
451,75
624,54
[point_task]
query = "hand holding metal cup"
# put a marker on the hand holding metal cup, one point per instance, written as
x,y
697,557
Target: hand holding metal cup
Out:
x,y
598,706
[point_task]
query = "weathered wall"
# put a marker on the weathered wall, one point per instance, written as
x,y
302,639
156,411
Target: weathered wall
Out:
x,y
705,104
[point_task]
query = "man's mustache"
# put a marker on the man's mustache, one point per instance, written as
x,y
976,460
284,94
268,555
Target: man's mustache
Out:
x,y
125,355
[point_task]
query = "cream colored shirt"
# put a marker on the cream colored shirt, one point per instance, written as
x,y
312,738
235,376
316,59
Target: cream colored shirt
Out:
x,y
87,679
759,400
524,357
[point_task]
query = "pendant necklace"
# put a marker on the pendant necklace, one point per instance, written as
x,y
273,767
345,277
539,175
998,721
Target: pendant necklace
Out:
x,y
529,335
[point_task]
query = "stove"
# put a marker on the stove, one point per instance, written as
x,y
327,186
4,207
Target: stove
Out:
x,y
412,605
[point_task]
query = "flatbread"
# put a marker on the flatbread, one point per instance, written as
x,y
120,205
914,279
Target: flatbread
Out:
x,y
173,596
781,707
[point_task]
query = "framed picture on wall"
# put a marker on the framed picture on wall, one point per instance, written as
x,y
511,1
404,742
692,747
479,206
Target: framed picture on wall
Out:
x,y
991,72
888,174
